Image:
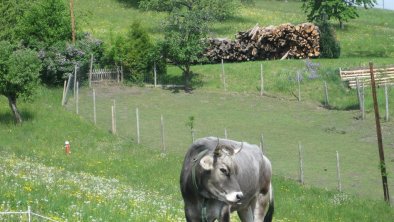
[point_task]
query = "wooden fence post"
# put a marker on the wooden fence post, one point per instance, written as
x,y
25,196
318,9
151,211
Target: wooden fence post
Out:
x,y
262,143
163,145
75,80
379,137
155,74
94,107
137,116
358,91
67,88
225,133
339,174
261,80
77,99
64,91
362,101
90,71
301,160
326,101
113,119
121,72
386,95
299,86
114,104
224,77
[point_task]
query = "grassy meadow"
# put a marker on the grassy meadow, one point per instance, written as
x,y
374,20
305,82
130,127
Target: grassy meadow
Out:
x,y
112,178
369,36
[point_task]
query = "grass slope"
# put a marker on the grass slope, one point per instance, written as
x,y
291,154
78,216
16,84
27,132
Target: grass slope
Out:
x,y
370,35
108,178
283,122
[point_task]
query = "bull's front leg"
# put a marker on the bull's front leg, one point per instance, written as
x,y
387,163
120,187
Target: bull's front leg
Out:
x,y
225,214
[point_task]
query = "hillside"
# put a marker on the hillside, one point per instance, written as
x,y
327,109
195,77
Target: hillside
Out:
x,y
109,178
112,178
370,35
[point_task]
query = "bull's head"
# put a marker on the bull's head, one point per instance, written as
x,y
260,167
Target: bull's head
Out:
x,y
220,174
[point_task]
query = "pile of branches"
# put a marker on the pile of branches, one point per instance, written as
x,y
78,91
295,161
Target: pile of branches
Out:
x,y
261,43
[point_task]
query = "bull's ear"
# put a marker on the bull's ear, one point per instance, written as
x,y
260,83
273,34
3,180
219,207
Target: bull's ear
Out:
x,y
207,162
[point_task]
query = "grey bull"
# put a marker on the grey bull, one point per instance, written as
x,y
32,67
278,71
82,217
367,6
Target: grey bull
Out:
x,y
220,176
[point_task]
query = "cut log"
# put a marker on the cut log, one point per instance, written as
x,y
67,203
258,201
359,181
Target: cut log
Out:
x,y
261,43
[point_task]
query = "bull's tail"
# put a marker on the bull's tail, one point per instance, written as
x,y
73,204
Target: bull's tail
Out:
x,y
270,212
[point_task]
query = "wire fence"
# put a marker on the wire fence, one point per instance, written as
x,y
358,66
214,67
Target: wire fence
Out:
x,y
28,215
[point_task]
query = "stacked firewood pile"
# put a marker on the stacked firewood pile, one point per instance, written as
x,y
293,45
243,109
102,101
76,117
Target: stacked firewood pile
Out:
x,y
284,41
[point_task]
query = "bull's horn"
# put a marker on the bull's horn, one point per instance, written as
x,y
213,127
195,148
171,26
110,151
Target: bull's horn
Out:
x,y
217,149
238,149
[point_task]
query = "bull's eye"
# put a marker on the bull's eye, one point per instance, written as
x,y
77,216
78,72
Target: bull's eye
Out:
x,y
224,171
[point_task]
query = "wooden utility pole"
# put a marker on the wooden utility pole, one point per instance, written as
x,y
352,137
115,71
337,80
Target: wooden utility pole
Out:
x,y
379,136
72,21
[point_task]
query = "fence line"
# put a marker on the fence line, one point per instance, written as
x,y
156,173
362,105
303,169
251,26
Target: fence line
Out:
x,y
29,214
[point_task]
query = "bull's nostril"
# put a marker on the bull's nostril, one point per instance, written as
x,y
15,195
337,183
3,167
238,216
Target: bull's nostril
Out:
x,y
239,196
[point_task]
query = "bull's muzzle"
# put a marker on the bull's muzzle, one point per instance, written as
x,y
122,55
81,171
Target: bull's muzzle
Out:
x,y
234,197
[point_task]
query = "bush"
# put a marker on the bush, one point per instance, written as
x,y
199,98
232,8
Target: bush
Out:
x,y
44,24
137,54
329,46
60,59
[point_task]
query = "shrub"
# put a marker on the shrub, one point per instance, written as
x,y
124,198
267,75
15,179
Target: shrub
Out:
x,y
329,46
137,54
60,58
44,24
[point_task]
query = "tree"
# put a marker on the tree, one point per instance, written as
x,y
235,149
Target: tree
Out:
x,y
329,46
341,10
184,42
136,50
19,75
186,29
11,12
45,23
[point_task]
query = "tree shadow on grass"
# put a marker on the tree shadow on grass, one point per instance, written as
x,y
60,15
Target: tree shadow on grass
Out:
x,y
350,107
7,117
176,83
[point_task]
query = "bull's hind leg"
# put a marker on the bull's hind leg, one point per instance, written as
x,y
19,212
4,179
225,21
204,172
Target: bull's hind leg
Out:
x,y
264,206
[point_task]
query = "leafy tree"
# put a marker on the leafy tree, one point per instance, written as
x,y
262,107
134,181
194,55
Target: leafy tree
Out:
x,y
45,23
11,12
341,10
329,46
184,42
186,27
213,9
19,75
136,52
138,45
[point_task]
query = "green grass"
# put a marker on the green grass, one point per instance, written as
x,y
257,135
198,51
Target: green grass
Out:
x,y
110,178
283,122
370,35
280,81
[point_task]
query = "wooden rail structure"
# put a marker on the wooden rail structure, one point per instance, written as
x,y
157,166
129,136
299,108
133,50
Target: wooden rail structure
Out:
x,y
106,75
362,75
